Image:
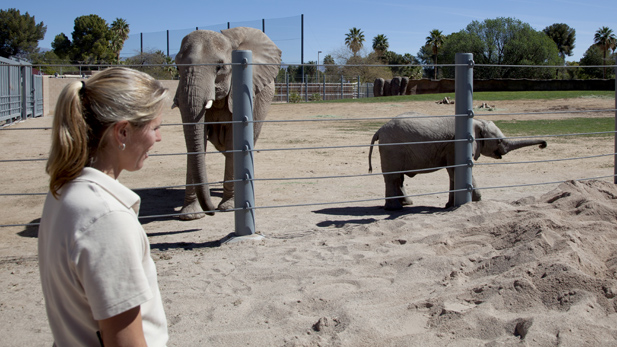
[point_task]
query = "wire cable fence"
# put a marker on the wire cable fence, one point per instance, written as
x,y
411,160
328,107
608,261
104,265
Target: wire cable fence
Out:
x,y
6,191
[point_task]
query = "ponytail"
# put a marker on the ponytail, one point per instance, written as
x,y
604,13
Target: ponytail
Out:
x,y
69,145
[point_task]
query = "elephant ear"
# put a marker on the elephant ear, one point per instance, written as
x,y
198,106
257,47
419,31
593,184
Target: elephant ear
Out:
x,y
264,52
479,130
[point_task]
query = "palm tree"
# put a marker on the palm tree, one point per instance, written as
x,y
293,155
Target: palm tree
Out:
x,y
380,44
435,40
119,33
605,39
354,40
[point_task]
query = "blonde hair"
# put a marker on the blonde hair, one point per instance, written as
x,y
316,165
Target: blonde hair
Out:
x,y
86,110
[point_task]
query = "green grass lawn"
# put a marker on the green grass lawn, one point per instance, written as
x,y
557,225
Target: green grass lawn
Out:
x,y
512,128
491,96
557,126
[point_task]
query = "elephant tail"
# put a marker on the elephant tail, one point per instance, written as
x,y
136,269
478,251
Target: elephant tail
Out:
x,y
370,151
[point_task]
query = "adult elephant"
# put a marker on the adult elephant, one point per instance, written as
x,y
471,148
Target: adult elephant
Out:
x,y
204,95
434,151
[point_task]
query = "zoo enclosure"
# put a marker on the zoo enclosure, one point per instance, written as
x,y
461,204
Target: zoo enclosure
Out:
x,y
327,89
464,189
21,91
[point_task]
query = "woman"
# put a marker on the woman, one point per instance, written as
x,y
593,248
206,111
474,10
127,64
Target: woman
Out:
x,y
99,281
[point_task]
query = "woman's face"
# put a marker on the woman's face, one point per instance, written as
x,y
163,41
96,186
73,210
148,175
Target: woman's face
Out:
x,y
141,141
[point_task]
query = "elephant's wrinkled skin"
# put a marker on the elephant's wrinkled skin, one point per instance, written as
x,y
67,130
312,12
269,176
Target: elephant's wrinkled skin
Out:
x,y
420,128
204,95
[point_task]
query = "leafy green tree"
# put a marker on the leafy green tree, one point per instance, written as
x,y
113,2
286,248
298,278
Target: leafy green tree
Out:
x,y
310,70
502,41
331,69
563,36
594,56
354,40
605,39
91,40
396,62
380,44
19,34
154,63
435,41
61,46
119,33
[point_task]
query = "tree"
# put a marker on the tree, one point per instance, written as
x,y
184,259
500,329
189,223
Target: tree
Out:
x,y
564,38
154,63
19,34
435,41
380,44
331,69
592,57
354,40
119,33
61,46
91,38
605,39
502,41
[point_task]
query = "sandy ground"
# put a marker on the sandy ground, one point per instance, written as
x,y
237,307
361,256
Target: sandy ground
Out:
x,y
534,265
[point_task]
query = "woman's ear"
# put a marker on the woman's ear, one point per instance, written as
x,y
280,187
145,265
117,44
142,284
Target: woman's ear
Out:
x,y
121,131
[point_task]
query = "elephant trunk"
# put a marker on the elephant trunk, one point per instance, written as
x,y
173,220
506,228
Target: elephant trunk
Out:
x,y
508,146
196,164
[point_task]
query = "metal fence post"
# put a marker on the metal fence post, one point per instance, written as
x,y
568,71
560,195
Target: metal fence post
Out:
x,y
615,163
463,105
242,89
341,86
324,87
287,82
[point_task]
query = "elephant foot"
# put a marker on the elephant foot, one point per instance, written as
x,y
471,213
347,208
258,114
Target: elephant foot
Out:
x,y
393,205
226,204
193,211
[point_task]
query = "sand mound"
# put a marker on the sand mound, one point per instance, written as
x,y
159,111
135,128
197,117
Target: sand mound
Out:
x,y
540,271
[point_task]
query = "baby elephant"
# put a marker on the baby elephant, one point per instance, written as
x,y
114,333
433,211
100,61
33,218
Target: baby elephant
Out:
x,y
420,128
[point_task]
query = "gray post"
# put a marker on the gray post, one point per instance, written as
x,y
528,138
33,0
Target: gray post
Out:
x,y
615,164
24,92
342,87
242,89
463,105
358,87
287,82
324,87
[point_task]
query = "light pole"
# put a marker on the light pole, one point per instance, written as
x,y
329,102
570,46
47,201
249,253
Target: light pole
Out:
x,y
317,68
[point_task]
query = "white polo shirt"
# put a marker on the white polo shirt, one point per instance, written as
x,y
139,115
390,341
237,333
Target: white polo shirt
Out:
x,y
94,261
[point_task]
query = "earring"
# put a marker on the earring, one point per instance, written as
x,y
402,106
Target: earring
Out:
x,y
122,147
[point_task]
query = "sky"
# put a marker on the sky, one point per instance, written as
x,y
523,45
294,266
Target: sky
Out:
x,y
405,23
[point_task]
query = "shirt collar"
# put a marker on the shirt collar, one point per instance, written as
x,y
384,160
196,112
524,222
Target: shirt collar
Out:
x,y
124,195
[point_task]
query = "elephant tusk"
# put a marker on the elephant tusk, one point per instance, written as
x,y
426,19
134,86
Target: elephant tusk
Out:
x,y
208,104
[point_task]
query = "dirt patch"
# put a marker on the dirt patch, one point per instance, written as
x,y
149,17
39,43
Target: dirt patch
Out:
x,y
534,263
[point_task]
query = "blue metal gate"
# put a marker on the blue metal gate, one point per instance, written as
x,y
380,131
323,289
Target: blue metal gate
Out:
x,y
21,91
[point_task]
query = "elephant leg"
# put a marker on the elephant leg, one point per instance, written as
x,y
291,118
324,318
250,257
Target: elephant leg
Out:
x,y
475,194
191,209
450,202
394,182
405,200
227,203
